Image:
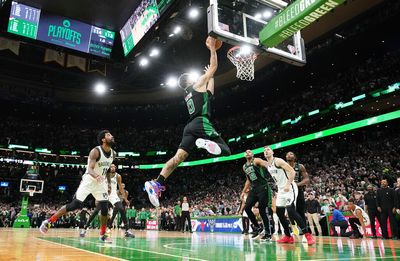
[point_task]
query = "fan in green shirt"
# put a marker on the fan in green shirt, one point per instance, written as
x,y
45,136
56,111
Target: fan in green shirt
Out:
x,y
131,213
177,210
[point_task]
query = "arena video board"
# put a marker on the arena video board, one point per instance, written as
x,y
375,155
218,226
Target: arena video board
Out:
x,y
140,22
30,22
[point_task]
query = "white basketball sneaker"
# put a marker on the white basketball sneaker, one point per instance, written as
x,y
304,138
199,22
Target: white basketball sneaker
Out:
x,y
154,189
209,145
44,227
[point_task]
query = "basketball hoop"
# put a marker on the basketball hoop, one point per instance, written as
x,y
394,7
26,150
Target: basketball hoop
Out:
x,y
31,191
243,58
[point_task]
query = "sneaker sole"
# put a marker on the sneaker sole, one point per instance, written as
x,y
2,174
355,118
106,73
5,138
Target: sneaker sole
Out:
x,y
154,201
202,144
43,232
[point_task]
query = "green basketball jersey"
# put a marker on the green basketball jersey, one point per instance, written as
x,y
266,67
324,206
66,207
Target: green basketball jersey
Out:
x,y
198,103
256,175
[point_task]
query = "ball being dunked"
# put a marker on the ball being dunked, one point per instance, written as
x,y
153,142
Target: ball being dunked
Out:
x,y
212,41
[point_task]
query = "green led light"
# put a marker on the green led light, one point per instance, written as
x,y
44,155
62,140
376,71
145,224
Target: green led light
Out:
x,y
376,93
128,153
313,112
312,136
359,97
15,146
42,150
249,136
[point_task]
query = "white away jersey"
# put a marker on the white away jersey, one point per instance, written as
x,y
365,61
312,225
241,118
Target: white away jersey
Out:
x,y
279,175
103,164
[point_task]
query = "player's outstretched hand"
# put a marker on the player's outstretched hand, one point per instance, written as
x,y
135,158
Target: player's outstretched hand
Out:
x,y
206,68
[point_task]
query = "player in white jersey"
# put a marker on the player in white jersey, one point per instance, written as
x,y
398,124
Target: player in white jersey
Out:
x,y
94,182
360,218
283,175
115,200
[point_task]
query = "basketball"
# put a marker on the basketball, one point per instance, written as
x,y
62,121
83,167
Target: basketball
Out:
x,y
218,43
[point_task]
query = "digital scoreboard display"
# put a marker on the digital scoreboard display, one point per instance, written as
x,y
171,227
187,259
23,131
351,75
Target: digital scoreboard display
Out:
x,y
24,20
142,19
31,22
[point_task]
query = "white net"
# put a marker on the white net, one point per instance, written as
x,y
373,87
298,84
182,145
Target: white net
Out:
x,y
31,192
243,59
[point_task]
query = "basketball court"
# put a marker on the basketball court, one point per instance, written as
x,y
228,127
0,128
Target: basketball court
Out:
x,y
65,244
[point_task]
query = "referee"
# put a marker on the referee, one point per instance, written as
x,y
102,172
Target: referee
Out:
x,y
186,215
259,192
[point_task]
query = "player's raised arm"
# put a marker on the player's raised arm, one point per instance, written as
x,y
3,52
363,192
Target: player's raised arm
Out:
x,y
212,68
210,86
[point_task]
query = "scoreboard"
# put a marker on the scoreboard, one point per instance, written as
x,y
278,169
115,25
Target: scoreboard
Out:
x,y
143,18
32,23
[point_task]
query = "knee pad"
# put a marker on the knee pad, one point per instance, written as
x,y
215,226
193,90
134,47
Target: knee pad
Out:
x,y
75,204
103,208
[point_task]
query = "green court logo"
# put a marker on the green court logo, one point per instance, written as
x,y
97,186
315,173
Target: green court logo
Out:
x,y
64,32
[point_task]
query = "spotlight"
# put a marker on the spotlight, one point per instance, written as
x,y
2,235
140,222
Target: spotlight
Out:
x,y
154,52
194,75
171,35
258,16
100,88
193,13
144,62
245,49
177,29
172,82
267,14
